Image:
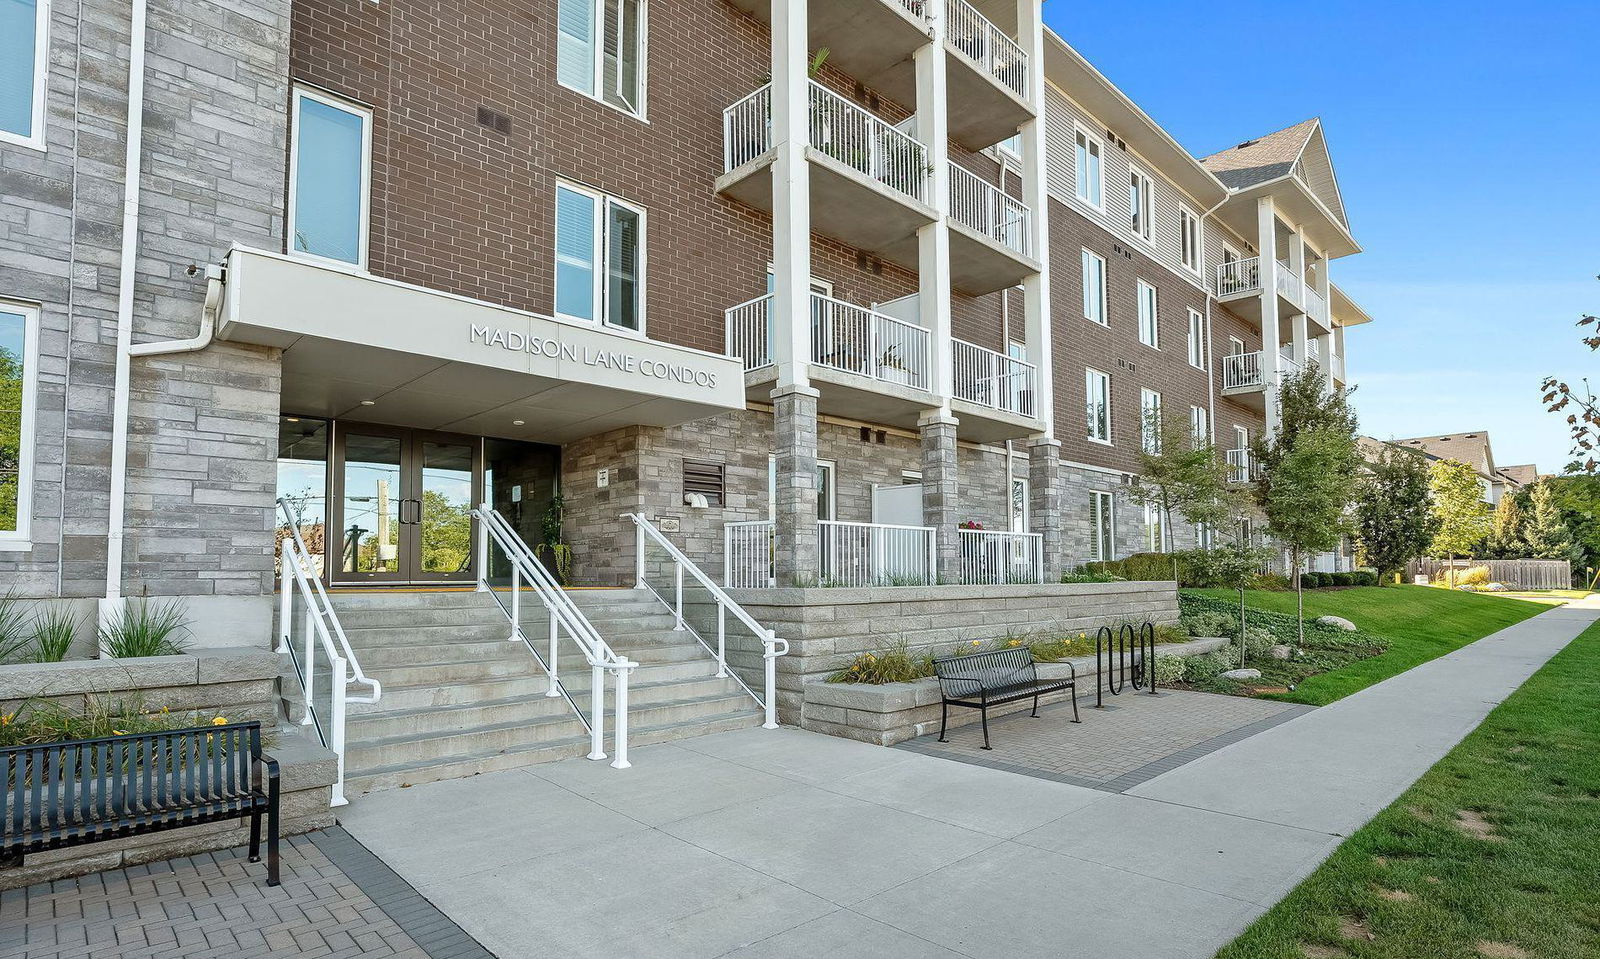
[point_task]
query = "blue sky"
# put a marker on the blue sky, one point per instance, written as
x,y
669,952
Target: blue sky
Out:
x,y
1467,142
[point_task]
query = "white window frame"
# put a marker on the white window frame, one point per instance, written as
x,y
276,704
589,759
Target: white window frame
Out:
x,y
602,261
1094,194
1197,339
1102,517
1027,505
1089,256
351,107
597,90
20,539
1200,425
1140,222
1149,432
1149,320
1091,377
41,79
1241,436
1190,241
1235,346
1155,529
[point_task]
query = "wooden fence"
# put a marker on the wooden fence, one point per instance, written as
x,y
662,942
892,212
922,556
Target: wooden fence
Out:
x,y
1518,573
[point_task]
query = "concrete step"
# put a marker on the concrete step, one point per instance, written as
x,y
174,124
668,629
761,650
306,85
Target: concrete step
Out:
x,y
381,725
423,651
377,637
442,674
406,599
436,695
393,775
420,616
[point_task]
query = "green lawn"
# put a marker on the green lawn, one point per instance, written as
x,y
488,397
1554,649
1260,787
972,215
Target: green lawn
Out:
x,y
1420,623
1491,854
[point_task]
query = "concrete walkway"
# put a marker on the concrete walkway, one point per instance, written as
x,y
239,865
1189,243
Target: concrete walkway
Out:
x,y
774,844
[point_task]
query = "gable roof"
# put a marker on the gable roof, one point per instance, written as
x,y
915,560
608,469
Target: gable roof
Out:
x,y
1521,475
1261,160
1469,448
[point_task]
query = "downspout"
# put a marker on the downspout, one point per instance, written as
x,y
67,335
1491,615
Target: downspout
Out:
x,y
123,385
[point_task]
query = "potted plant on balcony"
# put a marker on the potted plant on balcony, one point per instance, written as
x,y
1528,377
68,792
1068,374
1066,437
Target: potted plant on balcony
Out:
x,y
892,369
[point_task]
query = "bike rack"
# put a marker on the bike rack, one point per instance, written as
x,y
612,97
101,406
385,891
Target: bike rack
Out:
x,y
1130,656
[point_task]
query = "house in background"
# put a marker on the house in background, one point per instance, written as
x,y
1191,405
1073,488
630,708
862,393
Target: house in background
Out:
x,y
1475,450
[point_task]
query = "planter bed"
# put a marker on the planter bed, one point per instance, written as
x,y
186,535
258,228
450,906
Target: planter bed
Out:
x,y
895,712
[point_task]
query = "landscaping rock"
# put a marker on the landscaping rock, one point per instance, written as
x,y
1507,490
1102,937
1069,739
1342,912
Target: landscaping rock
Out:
x,y
1281,651
1242,674
1338,621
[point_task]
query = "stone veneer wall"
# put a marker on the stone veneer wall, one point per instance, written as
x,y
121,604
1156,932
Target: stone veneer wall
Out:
x,y
827,628
235,683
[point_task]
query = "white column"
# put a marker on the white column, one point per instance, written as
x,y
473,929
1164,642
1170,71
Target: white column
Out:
x,y
1267,243
1325,341
1299,335
1036,288
791,195
933,240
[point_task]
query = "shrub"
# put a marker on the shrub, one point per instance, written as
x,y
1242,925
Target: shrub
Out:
x,y
1210,623
1365,577
1309,581
1270,582
896,664
1475,576
1257,641
45,721
53,632
1344,579
1080,575
145,628
1171,669
1198,669
14,636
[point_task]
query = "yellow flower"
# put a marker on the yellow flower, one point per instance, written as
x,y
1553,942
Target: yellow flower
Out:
x,y
220,721
977,642
1016,642
7,718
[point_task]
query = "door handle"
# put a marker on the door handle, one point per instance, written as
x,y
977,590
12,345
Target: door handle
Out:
x,y
416,518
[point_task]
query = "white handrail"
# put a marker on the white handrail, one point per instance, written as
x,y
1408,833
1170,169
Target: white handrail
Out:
x,y
770,643
983,43
747,554
322,628
1240,469
747,128
563,615
984,207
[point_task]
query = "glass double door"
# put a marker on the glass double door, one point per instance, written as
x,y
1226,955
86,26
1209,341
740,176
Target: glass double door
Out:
x,y
402,503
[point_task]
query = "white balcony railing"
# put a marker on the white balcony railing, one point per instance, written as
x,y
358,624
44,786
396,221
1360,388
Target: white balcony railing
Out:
x,y
996,558
748,329
874,554
1289,285
1316,307
1240,276
1239,466
867,144
983,43
986,208
1242,371
747,554
917,8
747,129
993,379
1287,365
1338,367
854,339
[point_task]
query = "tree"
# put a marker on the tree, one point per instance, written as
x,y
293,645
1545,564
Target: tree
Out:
x,y
1578,498
1394,517
1507,539
1463,516
1547,534
1581,406
1180,473
1309,469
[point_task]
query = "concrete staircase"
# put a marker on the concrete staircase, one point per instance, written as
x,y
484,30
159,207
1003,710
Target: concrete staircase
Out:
x,y
458,699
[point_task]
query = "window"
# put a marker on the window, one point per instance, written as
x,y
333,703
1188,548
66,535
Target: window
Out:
x,y
1098,388
1094,288
599,259
1149,322
1200,425
1019,505
19,350
1189,236
1155,539
1197,339
600,50
1088,168
1235,346
1150,421
329,177
1011,147
704,479
1241,438
1102,527
1141,196
24,66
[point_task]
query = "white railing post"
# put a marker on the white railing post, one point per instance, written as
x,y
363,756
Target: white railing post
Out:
x,y
932,574
285,599
336,670
516,607
483,555
769,669
311,668
677,587
722,640
621,762
638,557
597,711
555,637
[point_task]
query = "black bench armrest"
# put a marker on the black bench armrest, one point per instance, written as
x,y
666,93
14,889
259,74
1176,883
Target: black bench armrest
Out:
x,y
948,692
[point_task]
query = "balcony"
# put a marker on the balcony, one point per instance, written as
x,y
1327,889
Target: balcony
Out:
x,y
878,554
994,394
1239,283
869,180
870,364
1338,369
990,236
987,78
1317,308
1241,466
871,40
1245,376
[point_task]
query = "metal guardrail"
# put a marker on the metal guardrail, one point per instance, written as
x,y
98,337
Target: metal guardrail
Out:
x,y
986,46
993,379
984,207
1000,557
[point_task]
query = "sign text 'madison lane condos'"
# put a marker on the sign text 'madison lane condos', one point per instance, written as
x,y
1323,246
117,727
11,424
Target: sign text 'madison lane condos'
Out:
x,y
620,360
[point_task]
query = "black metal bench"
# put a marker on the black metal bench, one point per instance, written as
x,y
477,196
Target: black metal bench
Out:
x,y
981,680
61,795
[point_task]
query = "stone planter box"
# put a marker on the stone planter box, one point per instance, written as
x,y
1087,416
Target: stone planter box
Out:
x,y
895,712
234,682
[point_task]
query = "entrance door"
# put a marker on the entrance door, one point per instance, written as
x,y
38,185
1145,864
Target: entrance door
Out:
x,y
402,504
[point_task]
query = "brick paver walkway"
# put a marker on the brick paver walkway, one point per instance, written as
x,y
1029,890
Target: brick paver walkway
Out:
x,y
1134,738
218,906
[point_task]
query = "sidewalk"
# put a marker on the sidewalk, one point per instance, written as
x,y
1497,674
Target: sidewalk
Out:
x,y
773,844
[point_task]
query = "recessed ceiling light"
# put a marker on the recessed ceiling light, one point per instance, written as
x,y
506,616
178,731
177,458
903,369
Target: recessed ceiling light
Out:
x,y
369,403
292,419
517,422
